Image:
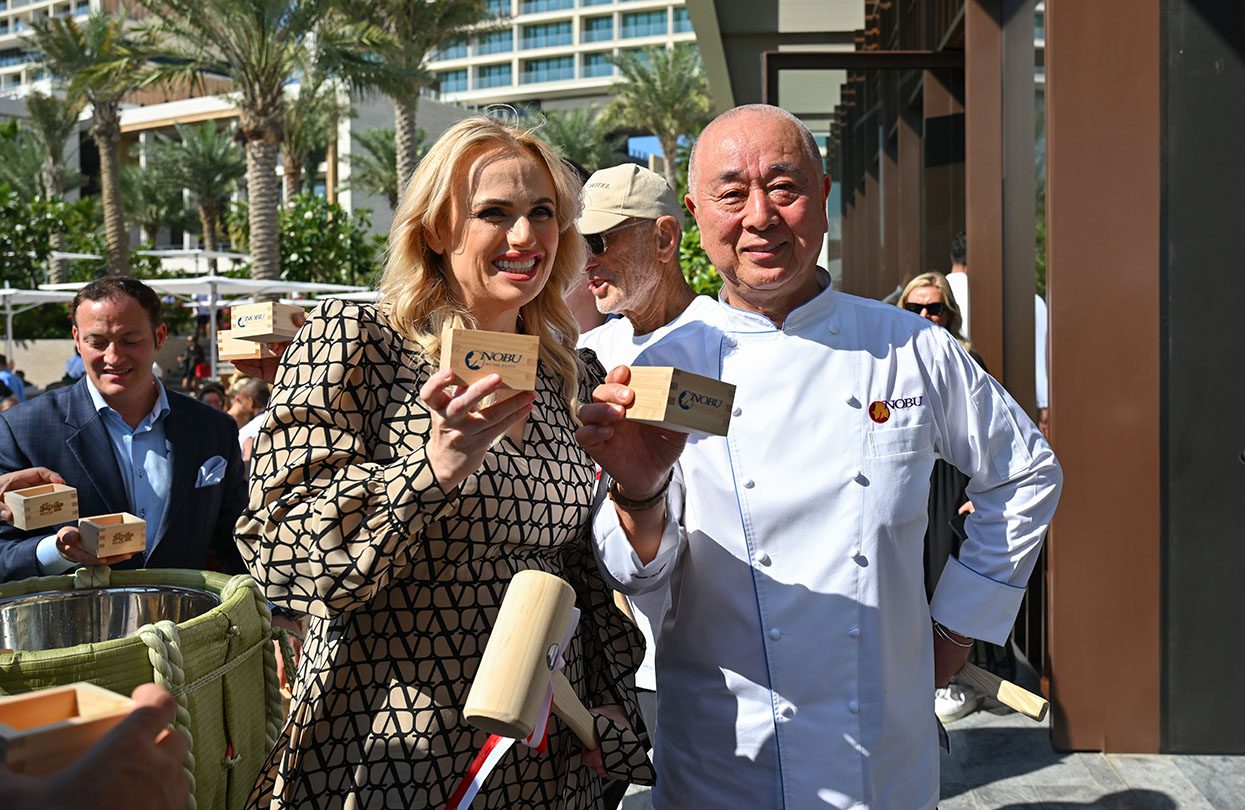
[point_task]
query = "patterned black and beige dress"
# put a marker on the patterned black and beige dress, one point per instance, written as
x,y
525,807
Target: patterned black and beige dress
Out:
x,y
403,580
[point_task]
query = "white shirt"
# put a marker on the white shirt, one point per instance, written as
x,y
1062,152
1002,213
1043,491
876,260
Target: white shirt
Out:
x,y
616,343
795,660
1041,385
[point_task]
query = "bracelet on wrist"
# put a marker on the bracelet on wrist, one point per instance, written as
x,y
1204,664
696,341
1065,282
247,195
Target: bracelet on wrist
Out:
x,y
946,636
639,504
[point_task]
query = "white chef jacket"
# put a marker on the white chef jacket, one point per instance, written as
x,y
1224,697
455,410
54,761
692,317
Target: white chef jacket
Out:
x,y
795,658
616,343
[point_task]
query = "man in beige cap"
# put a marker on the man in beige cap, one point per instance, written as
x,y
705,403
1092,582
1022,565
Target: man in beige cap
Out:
x,y
633,222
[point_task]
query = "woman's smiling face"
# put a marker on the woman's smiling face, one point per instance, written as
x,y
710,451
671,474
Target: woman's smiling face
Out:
x,y
503,236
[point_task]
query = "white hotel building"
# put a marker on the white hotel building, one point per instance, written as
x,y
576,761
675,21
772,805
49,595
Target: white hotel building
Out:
x,y
553,53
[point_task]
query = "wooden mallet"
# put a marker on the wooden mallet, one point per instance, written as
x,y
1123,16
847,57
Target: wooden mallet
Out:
x,y
1005,692
521,660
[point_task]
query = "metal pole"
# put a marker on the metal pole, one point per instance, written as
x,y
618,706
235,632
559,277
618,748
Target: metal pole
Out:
x,y
8,325
212,326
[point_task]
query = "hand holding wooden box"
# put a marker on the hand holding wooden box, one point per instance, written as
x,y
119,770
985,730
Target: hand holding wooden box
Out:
x,y
42,732
475,353
41,506
109,535
679,400
269,322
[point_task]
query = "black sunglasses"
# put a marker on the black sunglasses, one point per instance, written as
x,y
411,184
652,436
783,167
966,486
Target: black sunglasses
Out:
x,y
934,309
596,241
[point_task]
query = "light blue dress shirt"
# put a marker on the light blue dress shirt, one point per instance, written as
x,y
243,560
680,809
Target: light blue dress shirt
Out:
x,y
145,459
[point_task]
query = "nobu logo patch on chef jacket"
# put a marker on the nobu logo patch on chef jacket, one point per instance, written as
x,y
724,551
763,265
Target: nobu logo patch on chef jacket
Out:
x,y
880,410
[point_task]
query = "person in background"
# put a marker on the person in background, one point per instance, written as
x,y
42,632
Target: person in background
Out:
x,y
930,296
191,359
212,394
15,384
8,402
248,399
74,369
126,444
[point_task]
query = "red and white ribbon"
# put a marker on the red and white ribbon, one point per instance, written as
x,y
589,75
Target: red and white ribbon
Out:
x,y
496,746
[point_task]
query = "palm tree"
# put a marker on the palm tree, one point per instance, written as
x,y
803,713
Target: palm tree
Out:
x,y
373,163
96,60
260,47
151,202
663,92
206,162
417,28
579,135
21,161
53,121
311,118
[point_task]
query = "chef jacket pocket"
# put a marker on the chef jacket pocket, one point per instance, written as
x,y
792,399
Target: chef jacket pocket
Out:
x,y
898,440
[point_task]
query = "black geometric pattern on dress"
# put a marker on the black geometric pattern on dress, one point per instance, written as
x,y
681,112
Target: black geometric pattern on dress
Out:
x,y
403,581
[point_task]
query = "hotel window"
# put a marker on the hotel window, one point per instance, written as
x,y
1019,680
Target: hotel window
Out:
x,y
498,8
547,35
682,21
493,75
644,24
537,6
452,50
495,42
595,2
555,69
597,29
597,65
453,81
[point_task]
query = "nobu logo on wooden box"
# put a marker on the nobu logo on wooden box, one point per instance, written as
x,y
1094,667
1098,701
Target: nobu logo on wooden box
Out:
x,y
118,533
676,399
475,353
268,323
42,506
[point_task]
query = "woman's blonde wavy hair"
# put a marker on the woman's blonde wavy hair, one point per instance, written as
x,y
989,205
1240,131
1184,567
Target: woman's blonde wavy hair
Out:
x,y
415,296
955,319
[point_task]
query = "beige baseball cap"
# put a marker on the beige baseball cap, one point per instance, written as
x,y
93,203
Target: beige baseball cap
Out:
x,y
612,196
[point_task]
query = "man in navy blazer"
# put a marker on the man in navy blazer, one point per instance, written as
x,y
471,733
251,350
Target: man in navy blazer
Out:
x,y
127,445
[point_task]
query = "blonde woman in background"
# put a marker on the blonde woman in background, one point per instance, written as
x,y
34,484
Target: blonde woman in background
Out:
x,y
929,295
394,507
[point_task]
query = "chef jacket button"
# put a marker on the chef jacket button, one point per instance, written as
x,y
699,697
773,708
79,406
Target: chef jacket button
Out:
x,y
775,633
763,558
853,402
854,632
859,477
788,712
749,484
853,707
853,552
834,329
730,341
737,412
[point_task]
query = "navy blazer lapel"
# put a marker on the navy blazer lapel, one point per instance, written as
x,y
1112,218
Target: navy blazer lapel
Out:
x,y
184,437
88,441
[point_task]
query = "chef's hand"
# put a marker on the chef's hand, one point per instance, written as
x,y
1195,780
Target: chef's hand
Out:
x,y
265,368
462,431
69,546
20,479
638,457
949,658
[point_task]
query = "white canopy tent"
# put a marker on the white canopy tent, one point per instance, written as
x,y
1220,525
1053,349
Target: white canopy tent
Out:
x,y
215,287
195,255
17,301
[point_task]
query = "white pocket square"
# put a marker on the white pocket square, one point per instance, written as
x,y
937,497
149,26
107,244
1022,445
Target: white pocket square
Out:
x,y
212,472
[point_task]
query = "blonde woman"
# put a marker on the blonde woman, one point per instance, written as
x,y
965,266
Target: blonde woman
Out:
x,y
393,507
929,295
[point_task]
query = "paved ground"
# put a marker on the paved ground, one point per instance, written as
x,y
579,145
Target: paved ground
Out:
x,y
1005,762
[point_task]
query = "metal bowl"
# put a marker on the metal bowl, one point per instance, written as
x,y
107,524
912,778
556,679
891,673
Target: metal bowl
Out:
x,y
55,619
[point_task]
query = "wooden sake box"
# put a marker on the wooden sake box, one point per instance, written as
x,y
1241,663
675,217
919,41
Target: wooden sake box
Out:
x,y
474,353
44,505
118,533
269,322
43,731
679,400
229,347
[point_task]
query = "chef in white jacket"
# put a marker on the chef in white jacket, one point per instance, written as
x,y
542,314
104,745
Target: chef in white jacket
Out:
x,y
798,654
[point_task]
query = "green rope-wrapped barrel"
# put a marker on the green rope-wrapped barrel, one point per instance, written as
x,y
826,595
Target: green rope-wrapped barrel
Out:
x,y
220,665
